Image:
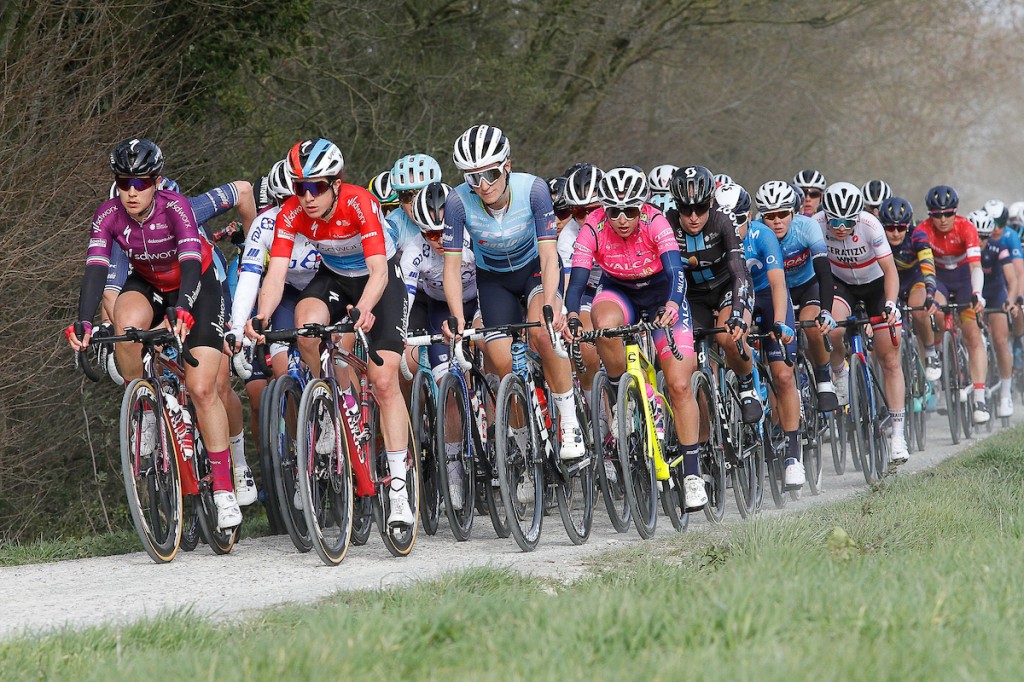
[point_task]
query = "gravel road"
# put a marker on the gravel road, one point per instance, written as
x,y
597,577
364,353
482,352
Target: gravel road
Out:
x,y
264,572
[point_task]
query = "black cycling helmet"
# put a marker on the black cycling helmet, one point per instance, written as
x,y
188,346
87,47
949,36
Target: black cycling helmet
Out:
x,y
896,211
428,207
557,187
799,192
692,185
136,156
941,197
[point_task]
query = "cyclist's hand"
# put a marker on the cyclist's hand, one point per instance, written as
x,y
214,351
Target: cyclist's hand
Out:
x,y
978,301
892,313
250,330
930,306
105,330
573,327
557,318
365,321
183,323
737,327
452,333
668,315
783,332
826,322
73,340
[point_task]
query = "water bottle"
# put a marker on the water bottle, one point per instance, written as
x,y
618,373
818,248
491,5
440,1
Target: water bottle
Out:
x,y
543,402
181,422
659,412
351,411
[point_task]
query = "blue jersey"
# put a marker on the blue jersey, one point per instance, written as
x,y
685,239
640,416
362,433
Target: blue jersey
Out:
x,y
801,245
1011,240
402,229
508,241
763,253
994,255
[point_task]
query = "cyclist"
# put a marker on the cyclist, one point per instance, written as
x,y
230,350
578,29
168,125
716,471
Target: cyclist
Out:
x,y
358,269
808,275
1000,281
916,267
171,270
863,266
642,274
658,180
1011,238
718,289
958,273
510,220
381,189
874,193
812,184
772,304
723,179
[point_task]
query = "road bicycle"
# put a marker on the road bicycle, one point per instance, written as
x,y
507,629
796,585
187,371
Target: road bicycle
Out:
x,y
814,424
773,437
956,374
919,388
176,466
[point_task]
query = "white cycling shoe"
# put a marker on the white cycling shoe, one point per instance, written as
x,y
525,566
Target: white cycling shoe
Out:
x,y
898,450
148,443
228,513
932,368
694,492
842,384
572,444
981,413
1005,408
455,484
794,477
401,512
245,486
325,441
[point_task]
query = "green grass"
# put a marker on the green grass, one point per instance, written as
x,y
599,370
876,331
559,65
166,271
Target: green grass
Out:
x,y
107,544
922,580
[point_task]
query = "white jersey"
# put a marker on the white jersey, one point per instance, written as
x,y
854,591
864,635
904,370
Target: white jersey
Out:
x,y
423,267
301,268
854,260
566,245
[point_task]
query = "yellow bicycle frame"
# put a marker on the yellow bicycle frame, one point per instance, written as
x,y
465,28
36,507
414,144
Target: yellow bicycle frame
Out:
x,y
638,366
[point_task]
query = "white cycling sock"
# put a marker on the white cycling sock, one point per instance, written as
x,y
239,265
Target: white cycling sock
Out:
x,y
238,449
979,395
566,404
1004,388
897,424
396,464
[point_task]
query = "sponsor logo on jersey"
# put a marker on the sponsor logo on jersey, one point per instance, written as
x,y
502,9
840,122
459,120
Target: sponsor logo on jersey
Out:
x,y
795,261
97,243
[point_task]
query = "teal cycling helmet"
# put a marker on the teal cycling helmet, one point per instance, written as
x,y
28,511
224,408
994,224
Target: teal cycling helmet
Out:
x,y
414,171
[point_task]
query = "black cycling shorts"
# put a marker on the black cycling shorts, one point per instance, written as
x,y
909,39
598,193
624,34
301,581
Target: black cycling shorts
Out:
x,y
806,294
208,309
339,292
705,305
872,294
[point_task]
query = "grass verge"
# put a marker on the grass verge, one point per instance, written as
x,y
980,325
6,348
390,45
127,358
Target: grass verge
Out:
x,y
921,579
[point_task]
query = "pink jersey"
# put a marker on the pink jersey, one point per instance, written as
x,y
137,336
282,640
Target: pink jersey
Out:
x,y
636,257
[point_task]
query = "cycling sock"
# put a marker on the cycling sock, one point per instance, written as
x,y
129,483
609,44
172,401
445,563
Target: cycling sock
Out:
x,y
746,382
1005,388
930,352
566,404
220,463
691,461
897,423
821,374
794,444
614,383
238,450
979,393
396,464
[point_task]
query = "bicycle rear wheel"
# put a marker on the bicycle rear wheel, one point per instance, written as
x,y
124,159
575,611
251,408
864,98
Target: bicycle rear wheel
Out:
x,y
712,452
324,478
606,452
399,539
673,502
151,479
267,425
966,391
812,426
456,472
575,496
862,418
519,462
911,400
483,445
638,472
284,429
423,414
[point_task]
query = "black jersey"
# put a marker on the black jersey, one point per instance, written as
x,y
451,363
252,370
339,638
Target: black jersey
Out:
x,y
712,258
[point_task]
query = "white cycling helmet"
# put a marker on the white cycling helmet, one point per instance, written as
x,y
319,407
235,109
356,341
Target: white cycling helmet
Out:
x,y
842,200
279,184
659,176
810,178
581,186
733,198
428,207
1017,212
317,158
998,211
875,192
481,146
982,221
775,195
723,179
414,171
623,187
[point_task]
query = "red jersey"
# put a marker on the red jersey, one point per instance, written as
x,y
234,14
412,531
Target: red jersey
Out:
x,y
956,247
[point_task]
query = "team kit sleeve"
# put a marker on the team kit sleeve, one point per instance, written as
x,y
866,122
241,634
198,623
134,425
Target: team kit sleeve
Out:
x,y
925,259
583,256
454,225
543,211
190,249
257,244
97,260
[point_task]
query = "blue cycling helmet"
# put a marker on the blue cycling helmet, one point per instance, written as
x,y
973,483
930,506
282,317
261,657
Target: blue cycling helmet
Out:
x,y
167,183
414,171
896,211
663,201
941,198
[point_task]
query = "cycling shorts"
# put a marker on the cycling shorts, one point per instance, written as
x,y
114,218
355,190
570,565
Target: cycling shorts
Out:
x,y
955,285
908,288
207,310
645,304
283,318
503,296
909,279
418,317
764,309
872,295
995,296
391,311
706,305
804,295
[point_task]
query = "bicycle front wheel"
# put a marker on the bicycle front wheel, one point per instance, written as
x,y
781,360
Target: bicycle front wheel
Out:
x,y
519,462
267,426
863,418
575,496
812,426
324,473
283,402
606,452
638,473
149,467
712,452
456,472
951,382
673,501
423,414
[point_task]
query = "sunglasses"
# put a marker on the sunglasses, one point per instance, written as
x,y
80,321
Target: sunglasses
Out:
x,y
942,214
842,223
407,196
777,215
812,193
615,212
433,235
699,209
896,227
314,187
580,213
139,184
488,175
563,213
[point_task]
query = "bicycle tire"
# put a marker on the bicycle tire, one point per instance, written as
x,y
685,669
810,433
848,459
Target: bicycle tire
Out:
x,y
362,519
267,436
673,502
325,479
880,421
602,405
219,541
638,473
837,439
399,540
910,399
423,415
712,452
454,448
967,405
862,417
284,401
575,496
811,425
483,444
154,493
950,381
525,513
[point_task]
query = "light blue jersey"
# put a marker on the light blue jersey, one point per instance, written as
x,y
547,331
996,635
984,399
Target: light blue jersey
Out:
x,y
506,241
763,253
801,245
402,229
1011,240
